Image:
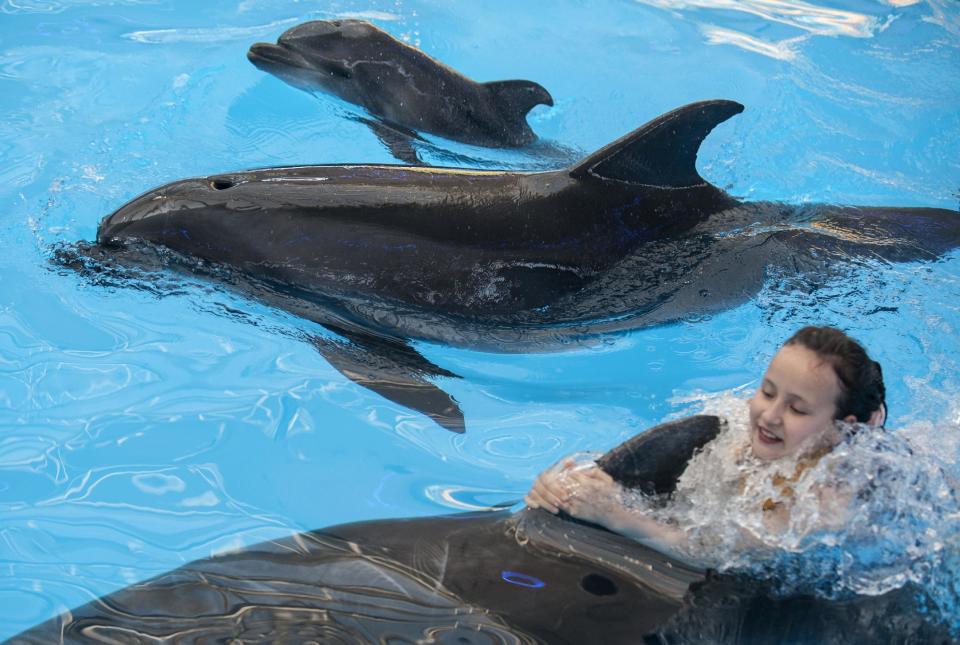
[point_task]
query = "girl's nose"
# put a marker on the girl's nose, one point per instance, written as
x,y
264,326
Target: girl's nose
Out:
x,y
772,414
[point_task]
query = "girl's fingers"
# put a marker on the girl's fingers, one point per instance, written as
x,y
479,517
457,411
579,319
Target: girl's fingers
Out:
x,y
565,488
547,493
557,488
592,490
541,503
534,500
583,478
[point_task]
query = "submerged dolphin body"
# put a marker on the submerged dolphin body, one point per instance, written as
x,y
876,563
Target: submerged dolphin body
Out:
x,y
487,577
631,236
400,86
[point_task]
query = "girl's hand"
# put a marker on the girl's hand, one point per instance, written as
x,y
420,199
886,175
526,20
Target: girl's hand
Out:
x,y
551,489
590,494
587,493
595,497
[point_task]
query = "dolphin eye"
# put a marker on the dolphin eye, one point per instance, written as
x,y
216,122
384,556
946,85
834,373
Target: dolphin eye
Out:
x,y
221,184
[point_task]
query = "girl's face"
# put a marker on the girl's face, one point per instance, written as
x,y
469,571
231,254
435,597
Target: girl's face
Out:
x,y
794,408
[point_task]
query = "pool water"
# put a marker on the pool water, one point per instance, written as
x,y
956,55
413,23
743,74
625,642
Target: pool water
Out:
x,y
143,429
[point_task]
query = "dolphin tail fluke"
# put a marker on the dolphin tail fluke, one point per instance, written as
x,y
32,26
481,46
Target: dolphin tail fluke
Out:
x,y
395,371
661,153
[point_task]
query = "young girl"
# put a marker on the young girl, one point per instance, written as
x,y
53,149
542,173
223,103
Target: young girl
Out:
x,y
819,377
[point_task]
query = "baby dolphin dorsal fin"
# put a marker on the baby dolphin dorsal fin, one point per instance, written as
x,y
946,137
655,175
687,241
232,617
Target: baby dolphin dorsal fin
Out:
x,y
519,96
663,152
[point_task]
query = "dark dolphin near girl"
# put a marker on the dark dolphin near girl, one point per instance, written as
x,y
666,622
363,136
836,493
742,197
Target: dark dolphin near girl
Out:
x,y
502,261
483,578
405,90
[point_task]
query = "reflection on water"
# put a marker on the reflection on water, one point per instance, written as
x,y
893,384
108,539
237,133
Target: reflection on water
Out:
x,y
208,35
463,498
782,50
819,21
814,20
944,14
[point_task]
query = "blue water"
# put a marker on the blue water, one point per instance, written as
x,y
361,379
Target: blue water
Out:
x,y
141,430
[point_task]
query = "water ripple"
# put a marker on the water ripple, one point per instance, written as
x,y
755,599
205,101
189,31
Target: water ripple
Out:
x,y
464,498
14,7
818,20
208,34
63,383
26,452
191,498
247,6
944,15
782,50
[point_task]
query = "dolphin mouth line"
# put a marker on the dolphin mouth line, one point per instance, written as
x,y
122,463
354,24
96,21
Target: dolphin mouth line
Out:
x,y
276,54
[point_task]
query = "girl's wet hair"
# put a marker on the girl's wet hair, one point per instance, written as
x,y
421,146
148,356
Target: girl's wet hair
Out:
x,y
861,380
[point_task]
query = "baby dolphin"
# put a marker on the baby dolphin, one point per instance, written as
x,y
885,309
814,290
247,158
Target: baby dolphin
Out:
x,y
399,85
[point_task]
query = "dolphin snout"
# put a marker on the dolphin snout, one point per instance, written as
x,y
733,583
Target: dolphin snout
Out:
x,y
145,211
112,227
268,56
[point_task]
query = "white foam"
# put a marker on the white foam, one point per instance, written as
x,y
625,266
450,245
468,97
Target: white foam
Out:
x,y
877,512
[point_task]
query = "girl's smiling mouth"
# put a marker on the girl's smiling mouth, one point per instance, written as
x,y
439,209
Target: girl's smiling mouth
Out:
x,y
766,436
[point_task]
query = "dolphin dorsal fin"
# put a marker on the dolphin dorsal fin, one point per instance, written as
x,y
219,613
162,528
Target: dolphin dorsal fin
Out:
x,y
519,96
663,152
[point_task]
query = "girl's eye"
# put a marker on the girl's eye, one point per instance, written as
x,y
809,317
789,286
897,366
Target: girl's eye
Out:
x,y
766,394
798,411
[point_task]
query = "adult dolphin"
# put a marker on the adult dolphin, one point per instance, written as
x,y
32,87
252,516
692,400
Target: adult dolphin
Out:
x,y
405,90
488,577
631,236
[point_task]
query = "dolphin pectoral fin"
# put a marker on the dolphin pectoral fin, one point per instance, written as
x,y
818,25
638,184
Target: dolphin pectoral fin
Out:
x,y
395,371
397,139
661,153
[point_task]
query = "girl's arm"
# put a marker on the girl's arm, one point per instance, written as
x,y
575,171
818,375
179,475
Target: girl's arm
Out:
x,y
592,495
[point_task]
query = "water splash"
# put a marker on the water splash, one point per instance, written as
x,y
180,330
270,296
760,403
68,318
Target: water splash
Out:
x,y
877,513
